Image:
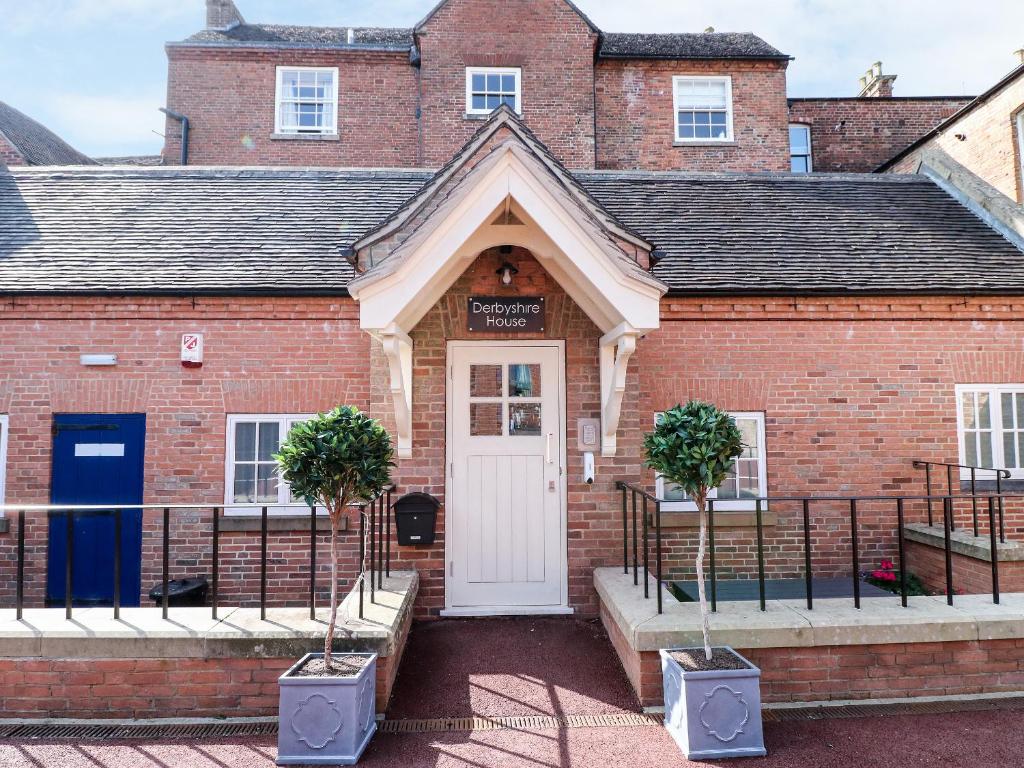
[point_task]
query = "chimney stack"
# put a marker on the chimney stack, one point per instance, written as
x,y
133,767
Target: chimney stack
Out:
x,y
222,15
1019,53
874,84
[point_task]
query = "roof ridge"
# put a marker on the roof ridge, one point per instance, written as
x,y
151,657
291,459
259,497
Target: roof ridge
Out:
x,y
866,178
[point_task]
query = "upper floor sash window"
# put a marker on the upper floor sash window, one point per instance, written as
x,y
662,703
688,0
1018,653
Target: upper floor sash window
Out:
x,y
307,100
703,108
800,148
487,88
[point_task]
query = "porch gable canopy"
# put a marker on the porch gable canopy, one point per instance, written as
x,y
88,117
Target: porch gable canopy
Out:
x,y
414,257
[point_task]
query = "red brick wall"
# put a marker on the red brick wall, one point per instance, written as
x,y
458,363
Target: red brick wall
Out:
x,y
546,38
856,135
990,147
635,120
840,672
971,576
8,154
228,96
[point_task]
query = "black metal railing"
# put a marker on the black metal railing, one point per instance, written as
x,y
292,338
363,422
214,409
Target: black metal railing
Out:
x,y
631,492
948,469
374,522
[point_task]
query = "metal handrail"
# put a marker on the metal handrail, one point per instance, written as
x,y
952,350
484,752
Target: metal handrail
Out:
x,y
376,521
634,491
1000,475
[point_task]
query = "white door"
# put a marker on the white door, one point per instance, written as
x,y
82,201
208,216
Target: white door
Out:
x,y
505,516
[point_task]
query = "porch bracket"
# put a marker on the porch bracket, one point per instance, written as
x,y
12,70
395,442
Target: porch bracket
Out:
x,y
398,351
616,347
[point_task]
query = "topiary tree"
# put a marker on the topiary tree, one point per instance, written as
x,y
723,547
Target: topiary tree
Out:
x,y
694,446
333,460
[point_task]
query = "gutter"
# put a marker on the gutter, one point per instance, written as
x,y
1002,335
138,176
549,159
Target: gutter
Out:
x,y
184,131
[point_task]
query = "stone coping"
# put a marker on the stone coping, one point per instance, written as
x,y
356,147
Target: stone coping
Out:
x,y
193,633
963,542
788,623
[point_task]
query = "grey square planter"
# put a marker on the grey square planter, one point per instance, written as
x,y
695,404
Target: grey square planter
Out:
x,y
326,720
713,714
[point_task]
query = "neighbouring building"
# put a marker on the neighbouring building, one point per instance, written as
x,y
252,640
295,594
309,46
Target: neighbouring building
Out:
x,y
23,141
516,239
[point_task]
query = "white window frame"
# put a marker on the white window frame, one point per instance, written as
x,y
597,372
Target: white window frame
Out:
x,y
728,138
329,130
517,72
810,157
5,425
284,505
995,392
725,505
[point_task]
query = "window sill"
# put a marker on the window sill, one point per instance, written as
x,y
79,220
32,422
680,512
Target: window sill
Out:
x,y
278,523
304,137
482,115
700,143
723,519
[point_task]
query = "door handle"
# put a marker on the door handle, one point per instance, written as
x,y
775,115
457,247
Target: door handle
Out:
x,y
547,448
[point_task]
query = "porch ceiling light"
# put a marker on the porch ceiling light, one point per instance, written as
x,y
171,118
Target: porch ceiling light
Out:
x,y
506,271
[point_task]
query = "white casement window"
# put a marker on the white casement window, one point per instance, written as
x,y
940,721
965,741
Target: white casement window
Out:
x,y
3,457
487,88
800,148
307,100
746,481
251,475
990,421
703,108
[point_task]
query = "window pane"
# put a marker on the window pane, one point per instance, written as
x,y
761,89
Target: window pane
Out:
x,y
524,419
1009,449
799,139
1020,410
718,118
494,83
485,419
479,102
986,448
686,118
749,483
478,82
748,431
509,101
1007,406
245,441
673,492
508,83
727,490
702,131
971,449
270,440
967,405
524,380
718,131
702,118
1020,450
686,132
798,164
984,419
485,381
245,483
266,482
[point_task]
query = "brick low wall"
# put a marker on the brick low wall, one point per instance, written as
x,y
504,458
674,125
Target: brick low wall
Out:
x,y
971,576
838,672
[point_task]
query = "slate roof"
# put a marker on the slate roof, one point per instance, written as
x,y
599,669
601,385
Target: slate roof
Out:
x,y
817,233
287,36
217,230
36,143
696,45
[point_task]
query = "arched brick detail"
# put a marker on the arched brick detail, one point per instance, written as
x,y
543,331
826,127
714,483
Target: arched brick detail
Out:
x,y
746,394
99,395
993,366
292,395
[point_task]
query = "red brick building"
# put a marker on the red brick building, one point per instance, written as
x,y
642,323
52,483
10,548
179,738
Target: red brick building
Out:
x,y
632,193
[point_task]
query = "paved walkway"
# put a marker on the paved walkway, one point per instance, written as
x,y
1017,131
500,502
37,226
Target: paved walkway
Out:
x,y
556,667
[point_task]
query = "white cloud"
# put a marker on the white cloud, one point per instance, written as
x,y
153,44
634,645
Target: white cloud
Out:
x,y
27,17
109,124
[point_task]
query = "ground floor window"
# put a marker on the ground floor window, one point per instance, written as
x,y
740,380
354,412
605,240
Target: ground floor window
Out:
x,y
990,418
3,457
251,472
747,480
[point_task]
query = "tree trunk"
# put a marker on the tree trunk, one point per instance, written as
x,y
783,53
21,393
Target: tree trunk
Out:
x,y
334,513
701,500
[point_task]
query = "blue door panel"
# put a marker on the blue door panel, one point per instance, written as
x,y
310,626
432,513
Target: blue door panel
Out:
x,y
97,459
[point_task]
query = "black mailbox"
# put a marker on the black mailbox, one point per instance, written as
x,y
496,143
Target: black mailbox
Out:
x,y
416,518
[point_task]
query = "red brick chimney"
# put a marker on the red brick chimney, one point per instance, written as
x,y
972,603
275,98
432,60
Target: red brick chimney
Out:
x,y
874,84
222,15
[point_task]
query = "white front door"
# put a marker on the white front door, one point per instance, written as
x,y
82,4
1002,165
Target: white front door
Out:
x,y
505,519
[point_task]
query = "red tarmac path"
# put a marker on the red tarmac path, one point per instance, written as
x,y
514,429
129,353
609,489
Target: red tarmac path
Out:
x,y
558,667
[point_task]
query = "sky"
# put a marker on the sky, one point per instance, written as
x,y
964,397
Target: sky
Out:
x,y
94,71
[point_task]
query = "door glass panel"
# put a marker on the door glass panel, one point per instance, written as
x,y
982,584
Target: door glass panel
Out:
x,y
524,419
524,380
485,419
485,381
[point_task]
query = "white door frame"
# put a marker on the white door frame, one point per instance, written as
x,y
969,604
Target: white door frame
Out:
x,y
563,607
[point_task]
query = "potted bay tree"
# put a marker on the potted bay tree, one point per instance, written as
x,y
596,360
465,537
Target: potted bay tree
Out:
x,y
712,695
327,712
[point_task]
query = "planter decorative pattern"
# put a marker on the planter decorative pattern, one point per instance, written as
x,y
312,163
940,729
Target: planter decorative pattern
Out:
x,y
326,720
713,714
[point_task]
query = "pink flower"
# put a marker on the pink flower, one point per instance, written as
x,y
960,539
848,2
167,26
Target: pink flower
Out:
x,y
878,574
889,576
887,565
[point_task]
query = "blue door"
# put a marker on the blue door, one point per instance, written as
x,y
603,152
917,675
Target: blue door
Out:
x,y
97,459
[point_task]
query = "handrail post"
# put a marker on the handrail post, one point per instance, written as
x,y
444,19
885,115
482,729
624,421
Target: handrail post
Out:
x,y
117,564
166,598
999,490
760,552
856,554
657,546
312,562
69,564
974,503
903,560
263,564
949,488
380,541
20,586
373,544
711,543
928,489
995,548
625,530
362,556
647,569
215,563
635,543
808,577
387,535
947,516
